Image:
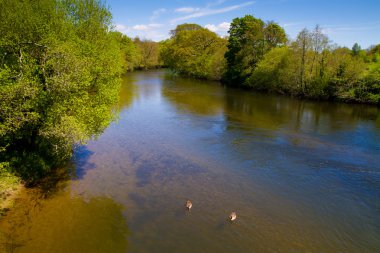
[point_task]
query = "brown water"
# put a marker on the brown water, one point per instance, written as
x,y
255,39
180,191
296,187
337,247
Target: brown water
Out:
x,y
302,176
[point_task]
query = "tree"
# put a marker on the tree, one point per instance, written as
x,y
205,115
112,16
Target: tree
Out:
x,y
130,54
356,49
303,45
59,72
274,35
185,27
149,53
194,52
374,53
313,68
250,38
273,73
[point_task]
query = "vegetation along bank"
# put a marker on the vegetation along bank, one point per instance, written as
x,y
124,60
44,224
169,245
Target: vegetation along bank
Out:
x,y
258,55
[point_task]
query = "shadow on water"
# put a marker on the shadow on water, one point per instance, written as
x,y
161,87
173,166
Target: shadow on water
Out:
x,y
80,163
164,168
138,199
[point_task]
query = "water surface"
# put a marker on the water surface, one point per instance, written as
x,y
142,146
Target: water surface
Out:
x,y
302,176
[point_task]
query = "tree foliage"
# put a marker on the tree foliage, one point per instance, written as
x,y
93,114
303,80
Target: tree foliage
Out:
x,y
137,53
194,51
185,27
148,54
356,49
250,39
59,68
129,52
312,67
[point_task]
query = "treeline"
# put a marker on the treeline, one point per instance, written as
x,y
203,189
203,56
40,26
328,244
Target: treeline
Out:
x,y
137,54
259,55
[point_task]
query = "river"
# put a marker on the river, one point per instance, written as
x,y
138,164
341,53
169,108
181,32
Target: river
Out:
x,y
302,176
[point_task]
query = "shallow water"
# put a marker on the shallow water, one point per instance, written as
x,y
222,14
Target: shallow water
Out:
x,y
302,176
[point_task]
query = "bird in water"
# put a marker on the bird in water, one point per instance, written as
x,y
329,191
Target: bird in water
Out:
x,y
189,204
233,216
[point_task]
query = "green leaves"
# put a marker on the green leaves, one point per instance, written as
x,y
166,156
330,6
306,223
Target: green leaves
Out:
x,y
250,38
194,51
59,78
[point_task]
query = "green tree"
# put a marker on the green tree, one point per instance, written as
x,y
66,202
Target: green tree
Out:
x,y
311,67
59,73
313,47
274,35
302,46
274,72
195,52
356,49
149,54
130,53
185,27
250,38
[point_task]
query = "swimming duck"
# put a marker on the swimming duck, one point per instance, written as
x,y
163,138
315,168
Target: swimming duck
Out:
x,y
189,204
233,216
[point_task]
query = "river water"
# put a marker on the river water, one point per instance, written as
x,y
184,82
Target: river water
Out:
x,y
302,176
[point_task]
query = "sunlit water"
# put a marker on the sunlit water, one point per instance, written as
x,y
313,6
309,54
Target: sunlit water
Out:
x,y
302,176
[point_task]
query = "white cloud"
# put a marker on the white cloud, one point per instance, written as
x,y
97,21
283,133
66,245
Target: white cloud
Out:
x,y
221,29
140,27
121,28
225,26
211,27
218,2
157,13
207,12
154,35
187,9
148,31
291,24
146,27
151,31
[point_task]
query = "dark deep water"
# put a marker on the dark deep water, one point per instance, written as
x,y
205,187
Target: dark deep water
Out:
x,y
303,177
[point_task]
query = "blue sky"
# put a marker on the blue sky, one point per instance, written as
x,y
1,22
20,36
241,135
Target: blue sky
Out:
x,y
344,21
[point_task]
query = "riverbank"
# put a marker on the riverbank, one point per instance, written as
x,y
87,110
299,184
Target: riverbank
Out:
x,y
348,98
10,186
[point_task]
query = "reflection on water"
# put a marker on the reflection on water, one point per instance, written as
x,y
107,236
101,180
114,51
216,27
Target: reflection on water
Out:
x,y
303,177
201,97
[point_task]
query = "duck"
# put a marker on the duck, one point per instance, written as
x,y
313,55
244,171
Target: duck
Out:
x,y
189,204
233,216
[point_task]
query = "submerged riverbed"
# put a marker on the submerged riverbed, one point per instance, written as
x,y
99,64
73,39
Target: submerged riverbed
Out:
x,y
302,176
